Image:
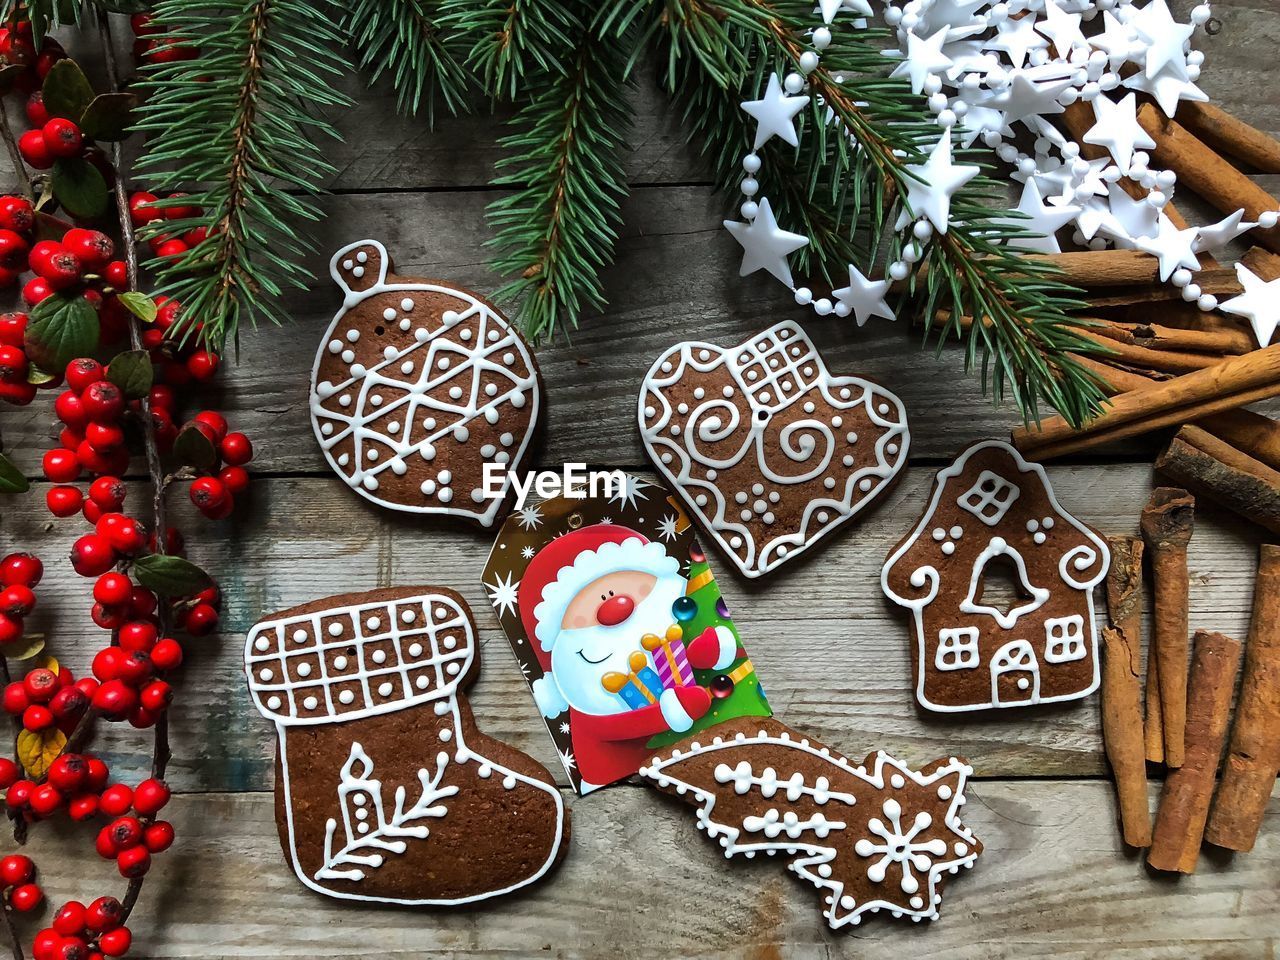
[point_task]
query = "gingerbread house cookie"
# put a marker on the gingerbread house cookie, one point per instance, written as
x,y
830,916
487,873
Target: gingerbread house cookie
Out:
x,y
769,451
992,508
423,397
386,791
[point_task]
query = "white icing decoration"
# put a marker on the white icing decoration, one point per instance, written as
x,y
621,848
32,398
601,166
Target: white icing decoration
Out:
x,y
514,384
1014,650
765,382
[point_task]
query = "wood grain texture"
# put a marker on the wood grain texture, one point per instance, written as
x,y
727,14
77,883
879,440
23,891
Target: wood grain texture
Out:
x,y
641,882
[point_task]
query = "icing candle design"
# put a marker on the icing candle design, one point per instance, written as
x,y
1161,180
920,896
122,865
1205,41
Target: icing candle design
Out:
x,y
669,656
639,687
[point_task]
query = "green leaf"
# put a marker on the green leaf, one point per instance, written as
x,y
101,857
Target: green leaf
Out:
x,y
108,116
79,188
140,305
29,646
8,74
170,576
62,327
37,377
67,91
131,371
11,478
49,227
193,449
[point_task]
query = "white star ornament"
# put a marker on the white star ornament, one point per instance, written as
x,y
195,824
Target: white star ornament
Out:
x,y
1118,130
1259,304
775,113
934,181
764,245
865,297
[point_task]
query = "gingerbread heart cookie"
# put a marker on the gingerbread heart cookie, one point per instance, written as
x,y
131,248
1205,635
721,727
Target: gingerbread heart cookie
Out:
x,y
769,450
993,512
423,397
385,789
870,836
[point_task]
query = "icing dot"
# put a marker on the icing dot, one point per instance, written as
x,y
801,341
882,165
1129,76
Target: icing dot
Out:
x,y
265,674
1023,683
506,439
509,783
939,533
339,663
822,516
335,346
898,781
1048,523
304,669
326,429
740,497
362,257
477,495
948,548
727,391
757,488
461,433
335,629
343,459
415,649
700,499
944,792
492,336
389,313
837,422
378,656
746,515
882,408
310,703
274,703
847,460
1033,525
508,358
682,408
865,484
666,366
452,669
371,454
405,324
358,370
262,643
490,389
891,449
421,683
851,437
464,335
348,356
829,483
957,532
406,305
445,476
347,264
346,696
809,406
1039,538
488,450
300,636
735,542
443,363
698,393
353,335
384,689
446,734
406,367
759,506
455,393
446,495
408,616
344,401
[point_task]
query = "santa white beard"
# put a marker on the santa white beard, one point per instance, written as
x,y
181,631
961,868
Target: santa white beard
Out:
x,y
582,656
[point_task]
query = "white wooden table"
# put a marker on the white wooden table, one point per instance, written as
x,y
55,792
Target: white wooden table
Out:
x,y
639,880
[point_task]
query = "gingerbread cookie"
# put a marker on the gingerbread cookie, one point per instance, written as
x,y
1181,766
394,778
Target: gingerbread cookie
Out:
x,y
385,789
871,836
423,398
619,628
992,508
769,451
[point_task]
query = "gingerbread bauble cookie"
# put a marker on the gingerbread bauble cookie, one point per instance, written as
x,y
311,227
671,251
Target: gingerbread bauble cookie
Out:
x,y
769,451
870,836
423,397
385,789
990,509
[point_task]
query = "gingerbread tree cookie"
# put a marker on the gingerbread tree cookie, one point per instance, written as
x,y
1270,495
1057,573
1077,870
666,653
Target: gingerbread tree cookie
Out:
x,y
869,836
385,789
423,397
769,451
992,508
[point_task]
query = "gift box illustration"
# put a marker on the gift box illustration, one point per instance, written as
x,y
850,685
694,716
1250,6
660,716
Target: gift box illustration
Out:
x,y
619,628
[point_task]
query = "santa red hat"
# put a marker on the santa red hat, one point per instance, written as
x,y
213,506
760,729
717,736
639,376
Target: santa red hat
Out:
x,y
560,570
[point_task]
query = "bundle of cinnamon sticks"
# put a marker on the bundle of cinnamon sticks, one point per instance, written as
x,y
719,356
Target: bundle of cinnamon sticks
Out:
x,y
1188,710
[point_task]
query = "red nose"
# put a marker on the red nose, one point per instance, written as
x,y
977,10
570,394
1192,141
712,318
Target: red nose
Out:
x,y
614,610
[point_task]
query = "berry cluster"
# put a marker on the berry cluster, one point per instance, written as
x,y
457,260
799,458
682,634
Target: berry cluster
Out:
x,y
84,933
19,574
214,495
179,360
42,700
18,877
152,46
17,46
143,211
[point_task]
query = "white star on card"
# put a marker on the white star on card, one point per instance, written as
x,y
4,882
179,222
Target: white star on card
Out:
x,y
774,113
1259,304
1016,37
1061,27
764,245
865,297
1167,89
930,195
1118,130
1174,248
1044,220
924,57
1218,235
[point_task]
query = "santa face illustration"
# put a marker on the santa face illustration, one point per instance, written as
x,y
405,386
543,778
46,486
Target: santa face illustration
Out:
x,y
602,627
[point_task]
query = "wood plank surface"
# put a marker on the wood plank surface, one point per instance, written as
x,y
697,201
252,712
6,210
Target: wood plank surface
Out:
x,y
641,881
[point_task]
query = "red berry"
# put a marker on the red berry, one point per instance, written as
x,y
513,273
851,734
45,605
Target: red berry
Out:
x,y
61,466
141,718
184,211
158,837
63,270
236,449
70,410
84,372
127,537
18,795
235,479
139,212
40,684
103,914
17,869
161,397
125,832
93,247
37,114
171,248
62,138
117,274
115,699
13,250
46,800
202,365
21,568
69,703
106,663
134,862
36,718
17,601
98,776
202,619
116,943
13,364
209,494
17,213
26,897
92,555
166,655
135,667
83,807
9,772
103,401
15,698
69,772
45,945
116,800
138,635
156,696
34,150
105,846
107,492
69,921
104,437
35,290
113,588
215,420
10,629
13,328
64,501
150,796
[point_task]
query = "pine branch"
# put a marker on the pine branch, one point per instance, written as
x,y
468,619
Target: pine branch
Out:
x,y
513,39
404,39
557,231
236,129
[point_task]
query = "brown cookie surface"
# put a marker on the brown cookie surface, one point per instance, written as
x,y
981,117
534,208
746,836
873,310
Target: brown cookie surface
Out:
x,y
993,515
869,836
386,791
769,451
423,397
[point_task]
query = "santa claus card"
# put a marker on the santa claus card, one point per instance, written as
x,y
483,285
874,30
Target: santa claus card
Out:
x,y
619,628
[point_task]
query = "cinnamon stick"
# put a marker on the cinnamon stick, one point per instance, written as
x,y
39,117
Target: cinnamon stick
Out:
x,y
1234,382
1170,361
1202,170
1122,690
1184,802
1167,522
1104,269
1231,135
1124,600
1256,435
1253,757
1152,336
1215,469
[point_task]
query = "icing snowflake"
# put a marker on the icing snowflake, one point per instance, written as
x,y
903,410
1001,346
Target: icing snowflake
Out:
x,y
899,846
503,593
